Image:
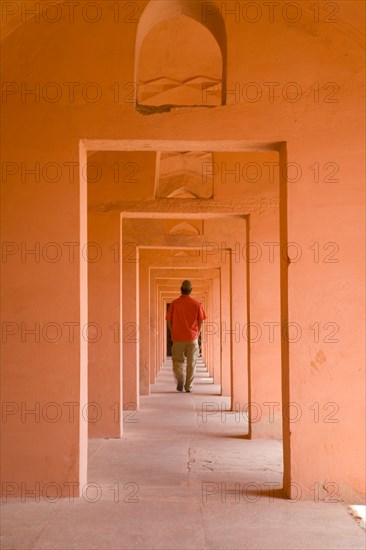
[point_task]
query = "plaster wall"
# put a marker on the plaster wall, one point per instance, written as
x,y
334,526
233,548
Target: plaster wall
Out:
x,y
324,133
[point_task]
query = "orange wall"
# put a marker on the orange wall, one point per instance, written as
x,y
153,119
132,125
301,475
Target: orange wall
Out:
x,y
321,130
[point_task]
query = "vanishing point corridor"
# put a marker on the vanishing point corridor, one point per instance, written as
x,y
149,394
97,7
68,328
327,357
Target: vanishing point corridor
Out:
x,y
152,147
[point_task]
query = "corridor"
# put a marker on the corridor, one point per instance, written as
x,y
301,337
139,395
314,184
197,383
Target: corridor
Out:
x,y
149,143
183,476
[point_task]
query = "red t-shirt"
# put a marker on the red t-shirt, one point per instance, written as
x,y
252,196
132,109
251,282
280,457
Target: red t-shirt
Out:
x,y
184,313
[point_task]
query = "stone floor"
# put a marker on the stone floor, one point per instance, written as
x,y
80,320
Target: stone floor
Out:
x,y
181,478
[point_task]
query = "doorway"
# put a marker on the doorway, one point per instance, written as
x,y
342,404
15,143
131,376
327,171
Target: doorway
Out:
x,y
165,210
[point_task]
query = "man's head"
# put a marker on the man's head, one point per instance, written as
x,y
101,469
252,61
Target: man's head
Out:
x,y
186,287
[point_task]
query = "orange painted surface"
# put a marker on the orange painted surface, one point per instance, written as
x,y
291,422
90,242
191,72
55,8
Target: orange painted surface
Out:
x,y
313,108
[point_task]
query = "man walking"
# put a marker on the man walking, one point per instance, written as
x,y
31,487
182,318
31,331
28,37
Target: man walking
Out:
x,y
184,317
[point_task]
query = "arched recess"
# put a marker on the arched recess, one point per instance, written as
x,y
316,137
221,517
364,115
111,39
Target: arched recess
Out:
x,y
184,228
180,56
182,193
180,172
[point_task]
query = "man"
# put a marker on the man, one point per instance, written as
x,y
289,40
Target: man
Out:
x,y
184,317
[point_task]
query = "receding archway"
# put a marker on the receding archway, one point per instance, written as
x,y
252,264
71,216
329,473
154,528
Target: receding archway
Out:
x,y
168,208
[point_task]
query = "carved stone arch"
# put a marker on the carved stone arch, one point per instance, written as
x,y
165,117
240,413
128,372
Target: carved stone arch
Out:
x,y
193,72
182,193
184,228
181,253
184,174
185,253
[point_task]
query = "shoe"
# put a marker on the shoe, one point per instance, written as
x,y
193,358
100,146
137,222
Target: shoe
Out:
x,y
180,386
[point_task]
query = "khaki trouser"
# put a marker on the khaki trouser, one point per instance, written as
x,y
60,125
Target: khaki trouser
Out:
x,y
179,351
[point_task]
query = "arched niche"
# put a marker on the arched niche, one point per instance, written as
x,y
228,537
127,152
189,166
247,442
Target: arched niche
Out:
x,y
180,57
184,174
182,193
185,253
184,228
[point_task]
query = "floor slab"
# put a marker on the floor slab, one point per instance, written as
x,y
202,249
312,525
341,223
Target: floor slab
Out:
x,y
178,479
